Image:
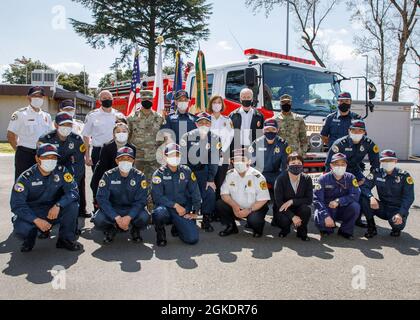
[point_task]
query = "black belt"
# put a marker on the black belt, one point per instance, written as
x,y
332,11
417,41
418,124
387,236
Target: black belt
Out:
x,y
29,150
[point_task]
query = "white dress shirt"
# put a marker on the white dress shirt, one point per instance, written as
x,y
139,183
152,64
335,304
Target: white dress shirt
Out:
x,y
223,127
246,126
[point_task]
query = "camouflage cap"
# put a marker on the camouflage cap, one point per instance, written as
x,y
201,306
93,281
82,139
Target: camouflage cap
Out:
x,y
146,94
285,98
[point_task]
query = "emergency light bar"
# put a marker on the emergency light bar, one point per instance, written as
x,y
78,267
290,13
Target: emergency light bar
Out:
x,y
269,54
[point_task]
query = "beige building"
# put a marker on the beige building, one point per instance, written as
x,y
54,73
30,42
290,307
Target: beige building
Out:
x,y
14,97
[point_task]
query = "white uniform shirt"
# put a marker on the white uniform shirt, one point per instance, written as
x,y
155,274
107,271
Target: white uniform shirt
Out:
x,y
247,190
29,126
99,125
78,127
246,126
223,127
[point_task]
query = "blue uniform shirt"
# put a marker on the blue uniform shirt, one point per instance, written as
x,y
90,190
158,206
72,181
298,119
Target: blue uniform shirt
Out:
x,y
200,154
329,189
355,154
395,191
180,187
336,126
116,193
71,151
270,159
180,124
33,191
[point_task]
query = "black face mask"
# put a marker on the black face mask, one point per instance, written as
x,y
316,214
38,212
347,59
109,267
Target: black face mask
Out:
x,y
246,103
147,104
286,107
344,107
270,135
107,103
296,169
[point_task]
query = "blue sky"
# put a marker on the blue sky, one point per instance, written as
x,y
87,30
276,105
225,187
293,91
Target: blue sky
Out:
x,y
30,28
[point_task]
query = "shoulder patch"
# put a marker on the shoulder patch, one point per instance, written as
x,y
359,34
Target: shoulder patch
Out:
x,y
193,177
355,183
68,177
410,180
144,184
376,148
317,187
263,185
19,187
335,149
82,148
369,176
14,116
102,183
156,180
289,150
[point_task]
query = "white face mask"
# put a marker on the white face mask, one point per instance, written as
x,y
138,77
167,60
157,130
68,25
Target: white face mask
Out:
x,y
125,166
241,167
356,137
48,165
388,166
204,129
174,161
339,171
217,107
121,137
182,106
37,102
65,131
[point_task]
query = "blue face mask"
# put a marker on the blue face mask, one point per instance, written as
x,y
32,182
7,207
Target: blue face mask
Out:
x,y
270,135
296,169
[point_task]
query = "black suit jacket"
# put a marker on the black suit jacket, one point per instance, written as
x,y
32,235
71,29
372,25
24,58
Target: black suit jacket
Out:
x,y
256,123
106,162
283,191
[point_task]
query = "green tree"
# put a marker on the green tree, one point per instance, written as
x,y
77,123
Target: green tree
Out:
x,y
19,72
132,23
75,82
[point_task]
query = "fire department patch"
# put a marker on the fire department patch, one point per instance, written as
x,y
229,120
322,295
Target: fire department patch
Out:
x,y
193,177
355,183
156,180
133,183
263,185
219,146
289,150
144,184
318,187
68,178
182,176
277,150
370,176
249,183
410,180
71,146
82,148
14,117
102,183
376,148
56,178
19,187
183,143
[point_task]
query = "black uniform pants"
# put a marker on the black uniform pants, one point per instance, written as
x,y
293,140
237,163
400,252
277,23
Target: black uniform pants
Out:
x,y
220,177
82,194
24,159
96,152
255,220
284,219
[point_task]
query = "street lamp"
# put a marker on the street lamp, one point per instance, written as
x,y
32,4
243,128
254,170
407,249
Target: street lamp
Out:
x,y
287,27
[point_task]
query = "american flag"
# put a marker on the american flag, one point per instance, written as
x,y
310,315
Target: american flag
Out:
x,y
134,99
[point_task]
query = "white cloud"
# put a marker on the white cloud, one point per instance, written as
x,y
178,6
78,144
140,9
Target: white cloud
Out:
x,y
341,52
224,45
68,67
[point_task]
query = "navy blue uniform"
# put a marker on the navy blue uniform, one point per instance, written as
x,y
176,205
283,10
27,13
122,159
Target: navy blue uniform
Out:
x,y
336,126
355,154
202,156
180,124
396,195
122,196
34,195
346,191
169,188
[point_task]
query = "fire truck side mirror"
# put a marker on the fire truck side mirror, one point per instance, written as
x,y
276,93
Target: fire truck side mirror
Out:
x,y
251,77
371,90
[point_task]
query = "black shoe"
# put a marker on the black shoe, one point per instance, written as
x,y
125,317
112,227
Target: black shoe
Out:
x,y
230,229
44,235
135,235
161,237
371,233
347,236
304,238
215,218
27,246
110,235
205,224
361,224
68,245
85,215
257,234
174,232
247,226
282,235
273,223
395,233
324,234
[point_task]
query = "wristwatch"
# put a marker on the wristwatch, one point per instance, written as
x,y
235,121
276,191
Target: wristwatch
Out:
x,y
337,200
58,205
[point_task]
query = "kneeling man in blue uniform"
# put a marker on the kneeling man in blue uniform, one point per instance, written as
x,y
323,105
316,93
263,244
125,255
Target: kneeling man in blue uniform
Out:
x,y
45,195
122,199
336,198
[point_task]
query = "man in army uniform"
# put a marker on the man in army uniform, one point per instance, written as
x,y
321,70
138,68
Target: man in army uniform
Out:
x,y
144,126
292,128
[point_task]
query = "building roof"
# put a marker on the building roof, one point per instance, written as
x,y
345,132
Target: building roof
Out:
x,y
60,94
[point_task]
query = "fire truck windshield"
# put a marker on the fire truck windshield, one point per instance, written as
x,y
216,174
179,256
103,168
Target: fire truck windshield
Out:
x,y
313,92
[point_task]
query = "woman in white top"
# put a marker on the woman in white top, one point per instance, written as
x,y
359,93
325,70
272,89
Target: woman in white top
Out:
x,y
223,127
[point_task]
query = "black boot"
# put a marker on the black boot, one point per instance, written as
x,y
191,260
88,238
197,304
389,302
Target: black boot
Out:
x,y
44,235
371,231
68,245
395,233
135,235
174,231
110,235
27,245
161,237
360,223
205,224
345,235
230,229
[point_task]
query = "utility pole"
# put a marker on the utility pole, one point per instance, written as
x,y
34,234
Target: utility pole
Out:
x,y
287,27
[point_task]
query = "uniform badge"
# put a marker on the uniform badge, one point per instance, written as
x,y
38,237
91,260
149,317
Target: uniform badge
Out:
x,y
133,183
183,143
182,176
208,146
355,183
263,185
144,184
251,150
56,178
249,183
335,149
232,184
317,187
193,177
156,180
370,176
82,148
71,146
102,183
14,117
68,178
277,150
398,179
410,180
376,148
362,149
219,146
19,187
289,150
